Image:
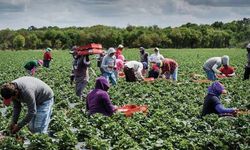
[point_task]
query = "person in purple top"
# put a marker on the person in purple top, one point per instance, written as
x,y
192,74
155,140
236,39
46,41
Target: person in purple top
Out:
x,y
212,103
98,100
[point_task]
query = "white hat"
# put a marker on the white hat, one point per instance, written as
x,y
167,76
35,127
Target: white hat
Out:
x,y
248,45
120,46
156,49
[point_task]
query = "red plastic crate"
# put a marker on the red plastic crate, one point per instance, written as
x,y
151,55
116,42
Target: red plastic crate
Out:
x,y
90,46
89,49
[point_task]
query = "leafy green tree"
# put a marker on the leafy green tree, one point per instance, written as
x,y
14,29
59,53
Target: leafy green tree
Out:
x,y
19,42
32,41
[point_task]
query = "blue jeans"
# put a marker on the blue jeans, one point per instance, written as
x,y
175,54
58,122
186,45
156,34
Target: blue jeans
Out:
x,y
210,75
173,75
110,77
40,122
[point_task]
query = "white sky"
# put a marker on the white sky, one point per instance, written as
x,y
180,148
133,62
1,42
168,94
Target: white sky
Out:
x,y
16,14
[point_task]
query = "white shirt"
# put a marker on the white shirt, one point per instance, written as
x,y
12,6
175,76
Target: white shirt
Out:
x,y
137,66
156,57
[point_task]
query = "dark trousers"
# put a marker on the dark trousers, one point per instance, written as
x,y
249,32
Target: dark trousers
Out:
x,y
46,63
247,73
129,74
153,74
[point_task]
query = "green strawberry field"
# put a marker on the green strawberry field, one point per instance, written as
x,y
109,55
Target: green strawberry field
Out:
x,y
172,121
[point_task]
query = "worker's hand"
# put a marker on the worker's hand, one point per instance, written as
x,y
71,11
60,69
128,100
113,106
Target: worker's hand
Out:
x,y
110,66
15,129
11,126
115,108
235,112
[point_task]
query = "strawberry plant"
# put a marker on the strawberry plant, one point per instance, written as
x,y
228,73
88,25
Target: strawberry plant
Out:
x,y
173,119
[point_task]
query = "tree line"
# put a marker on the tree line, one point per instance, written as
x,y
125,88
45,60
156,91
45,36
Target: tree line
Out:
x,y
190,35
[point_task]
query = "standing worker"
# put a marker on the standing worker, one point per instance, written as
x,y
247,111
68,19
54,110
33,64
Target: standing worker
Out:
x,y
212,64
32,65
156,57
47,57
118,53
81,74
36,95
247,67
144,59
108,66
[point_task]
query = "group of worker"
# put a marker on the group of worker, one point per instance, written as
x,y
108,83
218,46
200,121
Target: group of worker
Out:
x,y
31,66
39,97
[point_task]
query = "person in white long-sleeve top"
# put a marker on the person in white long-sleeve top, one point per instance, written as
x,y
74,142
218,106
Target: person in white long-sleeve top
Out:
x,y
156,57
133,71
212,64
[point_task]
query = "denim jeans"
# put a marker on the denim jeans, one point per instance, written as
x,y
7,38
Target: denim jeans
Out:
x,y
40,122
174,75
110,77
210,75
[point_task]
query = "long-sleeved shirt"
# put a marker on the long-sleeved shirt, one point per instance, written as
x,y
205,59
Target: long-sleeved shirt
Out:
x,y
212,64
212,104
81,67
137,66
248,60
98,100
108,63
47,56
32,92
169,66
156,57
31,64
144,57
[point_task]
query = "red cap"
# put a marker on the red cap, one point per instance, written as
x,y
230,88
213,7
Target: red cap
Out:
x,y
7,101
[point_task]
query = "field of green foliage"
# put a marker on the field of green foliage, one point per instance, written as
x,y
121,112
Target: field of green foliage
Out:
x,y
172,121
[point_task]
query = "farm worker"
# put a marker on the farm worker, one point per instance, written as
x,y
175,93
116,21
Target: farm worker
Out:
x,y
99,61
247,67
212,103
212,64
156,57
133,71
169,68
47,57
108,65
98,100
154,71
74,63
81,73
144,59
118,53
227,71
32,65
36,95
119,65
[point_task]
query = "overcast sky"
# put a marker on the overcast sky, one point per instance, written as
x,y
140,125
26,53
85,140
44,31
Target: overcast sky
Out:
x,y
16,14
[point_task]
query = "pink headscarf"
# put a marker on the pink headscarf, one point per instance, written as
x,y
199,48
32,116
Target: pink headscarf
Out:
x,y
119,64
121,57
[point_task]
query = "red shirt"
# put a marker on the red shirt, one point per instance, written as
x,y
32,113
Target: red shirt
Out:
x,y
169,65
228,70
47,56
118,52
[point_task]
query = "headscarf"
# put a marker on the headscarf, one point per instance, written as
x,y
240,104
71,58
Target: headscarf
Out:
x,y
216,88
